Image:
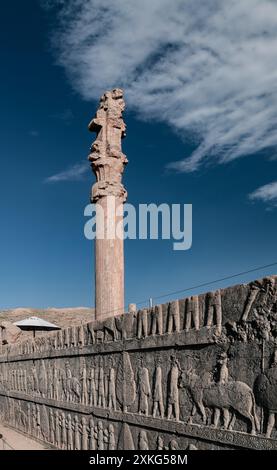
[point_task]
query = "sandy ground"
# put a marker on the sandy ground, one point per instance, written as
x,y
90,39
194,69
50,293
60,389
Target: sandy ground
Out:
x,y
17,441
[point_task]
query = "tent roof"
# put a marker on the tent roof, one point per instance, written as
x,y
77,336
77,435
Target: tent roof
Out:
x,y
36,322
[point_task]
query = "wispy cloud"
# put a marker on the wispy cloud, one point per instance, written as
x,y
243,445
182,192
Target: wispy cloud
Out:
x,y
74,173
266,193
66,115
204,68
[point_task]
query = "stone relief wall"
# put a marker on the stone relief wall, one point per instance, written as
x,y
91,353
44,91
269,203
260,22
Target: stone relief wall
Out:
x,y
198,373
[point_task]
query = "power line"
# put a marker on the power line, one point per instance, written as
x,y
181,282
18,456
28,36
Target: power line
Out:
x,y
204,284
216,280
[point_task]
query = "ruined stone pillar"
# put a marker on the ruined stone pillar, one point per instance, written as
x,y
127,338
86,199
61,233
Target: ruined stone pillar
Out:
x,y
109,195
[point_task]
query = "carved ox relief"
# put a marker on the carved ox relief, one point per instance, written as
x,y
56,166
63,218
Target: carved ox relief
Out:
x,y
230,398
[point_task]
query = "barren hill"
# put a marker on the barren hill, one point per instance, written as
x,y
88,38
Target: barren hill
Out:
x,y
60,316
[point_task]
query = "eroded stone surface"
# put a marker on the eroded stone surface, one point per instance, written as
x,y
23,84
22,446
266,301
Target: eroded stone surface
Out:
x,y
193,373
108,162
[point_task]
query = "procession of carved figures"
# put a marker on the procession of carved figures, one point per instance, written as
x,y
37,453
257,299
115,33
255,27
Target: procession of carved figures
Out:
x,y
69,431
257,321
103,386
228,382
144,323
93,387
62,429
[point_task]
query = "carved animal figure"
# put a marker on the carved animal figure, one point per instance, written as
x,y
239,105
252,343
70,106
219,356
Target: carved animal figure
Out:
x,y
115,327
72,389
233,396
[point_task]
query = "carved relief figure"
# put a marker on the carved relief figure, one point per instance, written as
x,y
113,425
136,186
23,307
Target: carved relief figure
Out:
x,y
92,388
84,429
144,391
143,441
92,435
72,386
66,340
111,389
100,436
173,445
77,429
142,324
91,333
84,399
173,323
81,336
214,310
69,428
157,320
57,430
39,434
63,431
101,387
266,393
206,393
74,341
173,393
42,379
158,403
35,380
160,443
192,313
111,438
52,426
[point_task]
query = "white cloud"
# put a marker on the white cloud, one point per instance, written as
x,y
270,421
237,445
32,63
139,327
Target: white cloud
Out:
x,y
74,173
266,193
207,68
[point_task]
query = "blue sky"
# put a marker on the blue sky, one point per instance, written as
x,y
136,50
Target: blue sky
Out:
x,y
48,97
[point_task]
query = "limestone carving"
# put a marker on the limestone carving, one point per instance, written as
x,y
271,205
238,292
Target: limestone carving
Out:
x,y
173,323
84,387
221,388
52,426
63,431
57,430
69,427
144,391
266,393
157,320
91,334
100,436
214,310
111,390
81,336
142,324
160,443
77,430
101,388
106,156
92,388
192,313
92,435
143,441
111,438
220,397
173,409
158,402
84,428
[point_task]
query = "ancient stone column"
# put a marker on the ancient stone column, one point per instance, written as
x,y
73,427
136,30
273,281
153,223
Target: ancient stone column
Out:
x,y
109,195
